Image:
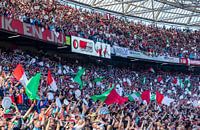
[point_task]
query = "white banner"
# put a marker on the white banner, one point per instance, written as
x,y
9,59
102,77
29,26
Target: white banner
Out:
x,y
120,51
139,55
89,47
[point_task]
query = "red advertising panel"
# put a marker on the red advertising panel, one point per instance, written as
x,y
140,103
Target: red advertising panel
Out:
x,y
30,30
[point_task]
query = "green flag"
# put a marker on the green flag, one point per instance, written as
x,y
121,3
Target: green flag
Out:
x,y
152,97
180,83
78,76
134,96
187,82
99,79
103,96
144,81
32,87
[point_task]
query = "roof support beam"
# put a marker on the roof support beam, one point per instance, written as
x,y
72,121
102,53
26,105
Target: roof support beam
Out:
x,y
153,12
195,23
117,3
178,5
136,6
128,7
99,2
160,10
122,6
189,20
183,16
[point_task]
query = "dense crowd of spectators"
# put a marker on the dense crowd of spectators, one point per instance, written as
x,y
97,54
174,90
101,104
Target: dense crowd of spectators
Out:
x,y
81,113
151,40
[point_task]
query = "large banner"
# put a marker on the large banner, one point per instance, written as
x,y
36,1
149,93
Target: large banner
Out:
x,y
89,47
29,30
120,51
140,55
184,61
195,62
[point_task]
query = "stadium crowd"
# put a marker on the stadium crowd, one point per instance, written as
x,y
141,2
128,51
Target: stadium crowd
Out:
x,y
65,109
151,40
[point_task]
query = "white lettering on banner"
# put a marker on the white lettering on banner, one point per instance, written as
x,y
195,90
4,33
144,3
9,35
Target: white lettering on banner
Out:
x,y
21,28
89,47
8,25
112,50
63,2
37,32
51,38
121,51
140,55
27,29
195,62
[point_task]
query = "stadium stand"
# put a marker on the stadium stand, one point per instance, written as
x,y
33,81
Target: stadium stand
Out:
x,y
70,111
151,40
46,86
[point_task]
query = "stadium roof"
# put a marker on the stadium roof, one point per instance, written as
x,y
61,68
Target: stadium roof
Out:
x,y
185,12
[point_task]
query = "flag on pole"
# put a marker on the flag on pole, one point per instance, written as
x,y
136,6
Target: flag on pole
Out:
x,y
51,82
32,87
152,96
134,96
99,79
110,97
151,70
144,81
187,81
146,96
78,78
160,79
103,96
167,101
20,75
180,83
175,81
161,99
114,97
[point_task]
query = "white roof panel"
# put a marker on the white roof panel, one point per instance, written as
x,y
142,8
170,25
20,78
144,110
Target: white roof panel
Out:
x,y
174,11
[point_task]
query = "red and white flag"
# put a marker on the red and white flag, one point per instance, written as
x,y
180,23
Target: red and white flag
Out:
x,y
161,99
114,97
51,82
20,75
146,96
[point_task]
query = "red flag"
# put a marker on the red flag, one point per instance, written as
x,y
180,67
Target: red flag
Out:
x,y
83,44
146,96
20,75
12,98
160,79
19,99
159,97
114,97
51,82
175,81
49,78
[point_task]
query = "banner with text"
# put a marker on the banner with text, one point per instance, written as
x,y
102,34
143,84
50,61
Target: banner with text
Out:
x,y
140,55
89,47
29,30
195,62
120,51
